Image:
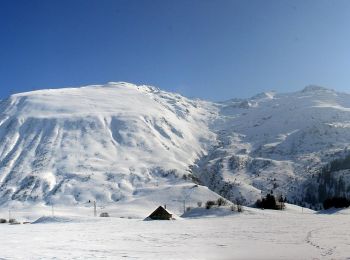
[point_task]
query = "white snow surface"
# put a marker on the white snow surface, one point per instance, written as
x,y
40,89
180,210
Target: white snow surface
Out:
x,y
132,148
253,234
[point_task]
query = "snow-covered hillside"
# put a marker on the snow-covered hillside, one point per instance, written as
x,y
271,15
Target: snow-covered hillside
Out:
x,y
106,143
276,142
137,144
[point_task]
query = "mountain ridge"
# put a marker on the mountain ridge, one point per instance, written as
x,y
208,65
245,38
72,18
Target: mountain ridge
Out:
x,y
275,143
111,142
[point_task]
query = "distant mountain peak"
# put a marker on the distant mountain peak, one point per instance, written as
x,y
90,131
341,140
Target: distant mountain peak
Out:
x,y
316,88
265,95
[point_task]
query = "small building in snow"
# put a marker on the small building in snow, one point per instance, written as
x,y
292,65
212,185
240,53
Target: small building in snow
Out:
x,y
160,214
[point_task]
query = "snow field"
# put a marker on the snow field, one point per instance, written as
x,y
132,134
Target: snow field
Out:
x,y
254,234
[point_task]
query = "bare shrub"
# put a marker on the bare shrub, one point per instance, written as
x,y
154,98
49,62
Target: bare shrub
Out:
x,y
209,204
12,220
221,202
239,205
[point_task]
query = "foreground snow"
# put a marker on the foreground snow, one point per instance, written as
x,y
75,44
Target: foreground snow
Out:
x,y
254,234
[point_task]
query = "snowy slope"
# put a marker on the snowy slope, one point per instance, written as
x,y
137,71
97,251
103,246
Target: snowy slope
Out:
x,y
137,145
105,143
276,142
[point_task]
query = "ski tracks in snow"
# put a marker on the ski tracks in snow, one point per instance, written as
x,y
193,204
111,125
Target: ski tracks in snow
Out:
x,y
310,239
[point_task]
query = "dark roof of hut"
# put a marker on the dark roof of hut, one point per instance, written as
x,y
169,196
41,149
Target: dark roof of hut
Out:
x,y
160,214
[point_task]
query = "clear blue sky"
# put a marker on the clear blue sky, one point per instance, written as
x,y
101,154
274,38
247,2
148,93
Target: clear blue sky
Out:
x,y
213,49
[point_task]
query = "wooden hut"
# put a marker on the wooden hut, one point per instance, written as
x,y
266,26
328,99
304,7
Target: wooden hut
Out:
x,y
160,214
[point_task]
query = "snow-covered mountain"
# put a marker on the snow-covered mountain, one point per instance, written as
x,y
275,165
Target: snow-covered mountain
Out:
x,y
276,142
120,142
104,143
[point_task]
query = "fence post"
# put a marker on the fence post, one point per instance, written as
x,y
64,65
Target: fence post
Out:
x,y
95,212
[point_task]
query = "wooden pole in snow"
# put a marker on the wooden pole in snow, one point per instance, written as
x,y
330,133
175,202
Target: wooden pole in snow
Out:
x,y
95,212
